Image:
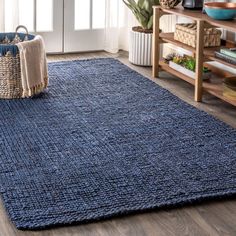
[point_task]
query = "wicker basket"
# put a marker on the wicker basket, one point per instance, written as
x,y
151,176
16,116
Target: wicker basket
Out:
x,y
187,34
10,71
168,4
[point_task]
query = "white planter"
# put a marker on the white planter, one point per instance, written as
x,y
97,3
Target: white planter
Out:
x,y
187,72
140,48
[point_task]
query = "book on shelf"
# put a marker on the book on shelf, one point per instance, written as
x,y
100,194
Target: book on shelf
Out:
x,y
226,58
229,52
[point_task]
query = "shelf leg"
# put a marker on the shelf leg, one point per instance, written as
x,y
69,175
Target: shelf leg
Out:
x,y
156,43
199,60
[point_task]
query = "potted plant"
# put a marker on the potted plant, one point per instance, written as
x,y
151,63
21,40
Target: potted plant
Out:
x,y
140,46
186,65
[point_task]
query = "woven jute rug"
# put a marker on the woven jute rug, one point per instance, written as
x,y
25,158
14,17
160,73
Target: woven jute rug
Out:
x,y
105,141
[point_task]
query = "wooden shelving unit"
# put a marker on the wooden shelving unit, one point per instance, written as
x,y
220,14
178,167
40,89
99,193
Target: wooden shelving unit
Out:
x,y
203,55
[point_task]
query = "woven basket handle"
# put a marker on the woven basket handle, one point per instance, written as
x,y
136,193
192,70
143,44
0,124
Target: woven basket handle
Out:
x,y
22,27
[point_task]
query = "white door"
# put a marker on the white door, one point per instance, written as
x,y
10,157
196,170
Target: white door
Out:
x,y
44,17
84,23
66,25
49,23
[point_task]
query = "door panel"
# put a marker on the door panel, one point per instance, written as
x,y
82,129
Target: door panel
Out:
x,y
66,25
49,24
84,25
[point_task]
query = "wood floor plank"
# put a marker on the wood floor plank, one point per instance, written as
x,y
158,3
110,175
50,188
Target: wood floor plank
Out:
x,y
193,213
211,219
219,217
178,223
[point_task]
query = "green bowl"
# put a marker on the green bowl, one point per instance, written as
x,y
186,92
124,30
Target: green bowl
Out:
x,y
221,10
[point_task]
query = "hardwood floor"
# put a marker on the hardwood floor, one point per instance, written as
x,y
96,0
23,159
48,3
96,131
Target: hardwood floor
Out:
x,y
213,218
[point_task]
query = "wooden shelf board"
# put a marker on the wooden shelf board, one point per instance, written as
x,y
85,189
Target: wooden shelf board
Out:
x,y
221,61
209,53
219,72
169,38
198,15
215,87
166,67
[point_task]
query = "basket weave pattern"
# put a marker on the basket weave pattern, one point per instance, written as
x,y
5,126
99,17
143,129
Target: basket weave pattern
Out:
x,y
168,4
187,34
10,77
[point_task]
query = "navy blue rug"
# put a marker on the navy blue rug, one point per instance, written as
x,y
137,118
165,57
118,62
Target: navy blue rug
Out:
x,y
105,141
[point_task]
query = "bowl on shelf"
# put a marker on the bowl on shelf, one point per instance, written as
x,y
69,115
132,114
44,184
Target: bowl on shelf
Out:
x,y
221,10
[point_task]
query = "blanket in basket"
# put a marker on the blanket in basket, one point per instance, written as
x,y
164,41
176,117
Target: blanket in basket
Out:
x,y
34,74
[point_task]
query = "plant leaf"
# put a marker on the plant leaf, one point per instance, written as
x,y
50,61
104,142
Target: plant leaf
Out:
x,y
143,11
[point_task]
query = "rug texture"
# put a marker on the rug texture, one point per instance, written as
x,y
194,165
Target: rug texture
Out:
x,y
105,141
